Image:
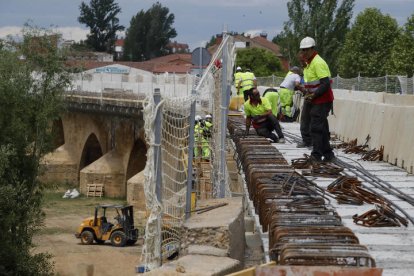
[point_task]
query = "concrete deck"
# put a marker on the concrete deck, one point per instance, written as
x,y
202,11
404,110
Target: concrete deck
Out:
x,y
392,247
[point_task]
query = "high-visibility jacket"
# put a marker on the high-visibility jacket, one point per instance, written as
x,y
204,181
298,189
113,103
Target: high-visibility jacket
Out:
x,y
198,137
317,69
247,81
286,101
274,101
201,141
260,109
207,128
237,78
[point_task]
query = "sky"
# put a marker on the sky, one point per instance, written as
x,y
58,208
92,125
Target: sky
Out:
x,y
196,21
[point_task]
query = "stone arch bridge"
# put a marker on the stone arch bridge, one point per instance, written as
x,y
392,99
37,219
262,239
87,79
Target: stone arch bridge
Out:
x,y
100,139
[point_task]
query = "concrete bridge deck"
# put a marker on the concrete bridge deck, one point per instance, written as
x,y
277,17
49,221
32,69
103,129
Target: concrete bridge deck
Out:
x,y
392,247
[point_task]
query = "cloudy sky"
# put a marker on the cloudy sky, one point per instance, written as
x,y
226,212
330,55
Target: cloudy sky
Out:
x,y
195,20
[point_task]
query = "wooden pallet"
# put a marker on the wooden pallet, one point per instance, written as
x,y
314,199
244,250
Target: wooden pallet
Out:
x,y
95,190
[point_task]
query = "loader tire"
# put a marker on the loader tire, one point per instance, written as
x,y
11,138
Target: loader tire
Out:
x,y
86,237
118,239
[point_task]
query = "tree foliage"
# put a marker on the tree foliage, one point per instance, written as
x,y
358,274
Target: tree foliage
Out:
x,y
32,79
368,44
101,17
401,61
212,41
149,33
262,62
322,20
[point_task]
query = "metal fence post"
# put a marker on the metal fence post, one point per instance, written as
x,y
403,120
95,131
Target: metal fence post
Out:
x,y
158,161
157,144
224,96
190,158
337,81
386,83
359,79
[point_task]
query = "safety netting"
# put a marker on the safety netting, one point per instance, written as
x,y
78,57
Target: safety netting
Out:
x,y
171,135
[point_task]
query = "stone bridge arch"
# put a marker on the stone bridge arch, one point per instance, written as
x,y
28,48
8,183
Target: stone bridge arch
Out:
x,y
58,133
137,159
75,130
135,180
91,152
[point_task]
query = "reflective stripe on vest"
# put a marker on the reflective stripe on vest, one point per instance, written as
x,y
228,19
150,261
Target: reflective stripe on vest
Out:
x,y
247,81
317,69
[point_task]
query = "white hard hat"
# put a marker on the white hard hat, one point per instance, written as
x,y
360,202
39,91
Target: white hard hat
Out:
x,y
198,118
238,68
208,116
307,42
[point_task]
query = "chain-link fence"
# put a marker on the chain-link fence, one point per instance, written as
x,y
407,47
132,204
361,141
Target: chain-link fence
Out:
x,y
389,83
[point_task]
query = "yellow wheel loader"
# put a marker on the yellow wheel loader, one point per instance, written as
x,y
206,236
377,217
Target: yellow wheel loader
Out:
x,y
99,228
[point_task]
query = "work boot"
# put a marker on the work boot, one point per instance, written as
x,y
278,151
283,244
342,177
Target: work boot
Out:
x,y
282,141
315,159
303,145
330,158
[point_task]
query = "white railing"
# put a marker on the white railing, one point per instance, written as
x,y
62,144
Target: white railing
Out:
x,y
170,85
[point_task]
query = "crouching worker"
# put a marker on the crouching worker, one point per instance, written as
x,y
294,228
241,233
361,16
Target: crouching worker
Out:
x,y
259,113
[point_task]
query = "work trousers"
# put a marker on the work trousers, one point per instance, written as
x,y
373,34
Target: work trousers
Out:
x,y
305,119
247,93
319,128
265,129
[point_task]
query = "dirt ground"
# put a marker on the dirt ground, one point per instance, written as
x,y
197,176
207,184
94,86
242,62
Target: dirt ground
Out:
x,y
70,257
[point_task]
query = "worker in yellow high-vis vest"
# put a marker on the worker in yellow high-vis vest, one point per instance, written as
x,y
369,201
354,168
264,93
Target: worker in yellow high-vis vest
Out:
x,y
287,90
237,78
259,113
319,93
247,83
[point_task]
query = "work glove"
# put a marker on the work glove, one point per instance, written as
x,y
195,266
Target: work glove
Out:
x,y
309,97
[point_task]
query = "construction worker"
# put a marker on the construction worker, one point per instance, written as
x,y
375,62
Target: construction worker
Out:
x,y
198,136
319,93
247,83
287,90
304,114
258,111
237,78
208,126
273,96
201,141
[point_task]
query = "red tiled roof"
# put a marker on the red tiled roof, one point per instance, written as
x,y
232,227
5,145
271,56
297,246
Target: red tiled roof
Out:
x,y
268,44
177,45
171,58
172,68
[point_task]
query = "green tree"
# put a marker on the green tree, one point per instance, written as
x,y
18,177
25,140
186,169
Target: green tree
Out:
x,y
101,17
32,79
149,33
262,62
212,41
401,61
368,45
324,21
